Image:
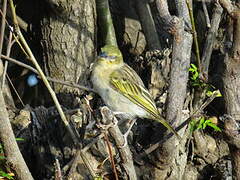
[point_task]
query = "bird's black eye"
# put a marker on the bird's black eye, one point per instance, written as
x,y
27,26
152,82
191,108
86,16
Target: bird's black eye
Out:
x,y
103,54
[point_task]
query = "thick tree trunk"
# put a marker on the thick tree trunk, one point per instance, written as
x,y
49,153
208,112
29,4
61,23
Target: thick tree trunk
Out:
x,y
231,85
231,82
69,37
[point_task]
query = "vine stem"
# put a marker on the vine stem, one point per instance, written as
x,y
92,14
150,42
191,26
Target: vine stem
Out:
x,y
190,10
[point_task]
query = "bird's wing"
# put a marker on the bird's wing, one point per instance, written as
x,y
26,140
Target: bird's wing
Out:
x,y
126,81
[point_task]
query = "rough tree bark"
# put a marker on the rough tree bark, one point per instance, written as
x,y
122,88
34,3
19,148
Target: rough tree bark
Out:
x,y
231,80
69,37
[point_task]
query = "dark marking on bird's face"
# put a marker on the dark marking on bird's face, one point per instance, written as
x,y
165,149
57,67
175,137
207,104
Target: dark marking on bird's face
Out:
x,y
108,58
115,79
103,55
124,80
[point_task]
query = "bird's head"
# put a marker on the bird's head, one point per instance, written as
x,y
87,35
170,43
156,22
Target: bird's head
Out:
x,y
110,55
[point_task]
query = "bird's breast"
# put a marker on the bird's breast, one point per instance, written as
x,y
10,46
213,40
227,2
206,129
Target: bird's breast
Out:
x,y
112,98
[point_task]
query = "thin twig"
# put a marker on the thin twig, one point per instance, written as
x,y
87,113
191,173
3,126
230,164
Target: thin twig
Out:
x,y
2,30
11,30
9,47
3,24
111,155
72,84
19,63
194,35
21,22
34,61
58,172
14,89
206,14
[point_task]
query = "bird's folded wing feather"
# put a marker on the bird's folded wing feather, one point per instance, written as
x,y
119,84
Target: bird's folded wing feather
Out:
x,y
128,83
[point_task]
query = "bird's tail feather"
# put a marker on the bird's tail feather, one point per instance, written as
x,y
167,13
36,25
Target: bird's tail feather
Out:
x,y
167,125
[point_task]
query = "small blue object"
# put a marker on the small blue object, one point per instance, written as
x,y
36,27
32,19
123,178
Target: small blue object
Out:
x,y
103,54
32,80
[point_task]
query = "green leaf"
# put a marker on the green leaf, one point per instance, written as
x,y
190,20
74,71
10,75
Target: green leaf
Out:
x,y
19,139
214,126
195,75
201,122
6,175
194,71
98,178
2,157
209,93
192,125
206,123
218,93
194,67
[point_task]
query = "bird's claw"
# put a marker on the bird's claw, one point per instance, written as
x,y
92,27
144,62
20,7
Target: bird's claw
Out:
x,y
127,133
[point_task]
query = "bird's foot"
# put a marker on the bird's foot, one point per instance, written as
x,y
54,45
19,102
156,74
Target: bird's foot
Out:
x,y
127,133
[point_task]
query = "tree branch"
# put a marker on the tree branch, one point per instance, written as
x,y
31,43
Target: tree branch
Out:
x,y
147,24
210,40
125,153
105,22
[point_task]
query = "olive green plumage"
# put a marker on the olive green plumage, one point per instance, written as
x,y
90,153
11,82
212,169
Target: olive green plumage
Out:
x,y
122,89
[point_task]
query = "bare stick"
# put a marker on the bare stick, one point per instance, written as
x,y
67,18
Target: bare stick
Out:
x,y
125,153
72,84
9,46
208,46
3,24
14,89
147,24
58,173
206,13
111,155
2,31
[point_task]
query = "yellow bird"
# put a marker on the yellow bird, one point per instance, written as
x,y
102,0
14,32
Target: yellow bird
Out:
x,y
122,89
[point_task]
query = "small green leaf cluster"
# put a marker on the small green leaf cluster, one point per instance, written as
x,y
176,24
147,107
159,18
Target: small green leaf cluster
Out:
x,y
198,83
194,76
5,175
202,123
